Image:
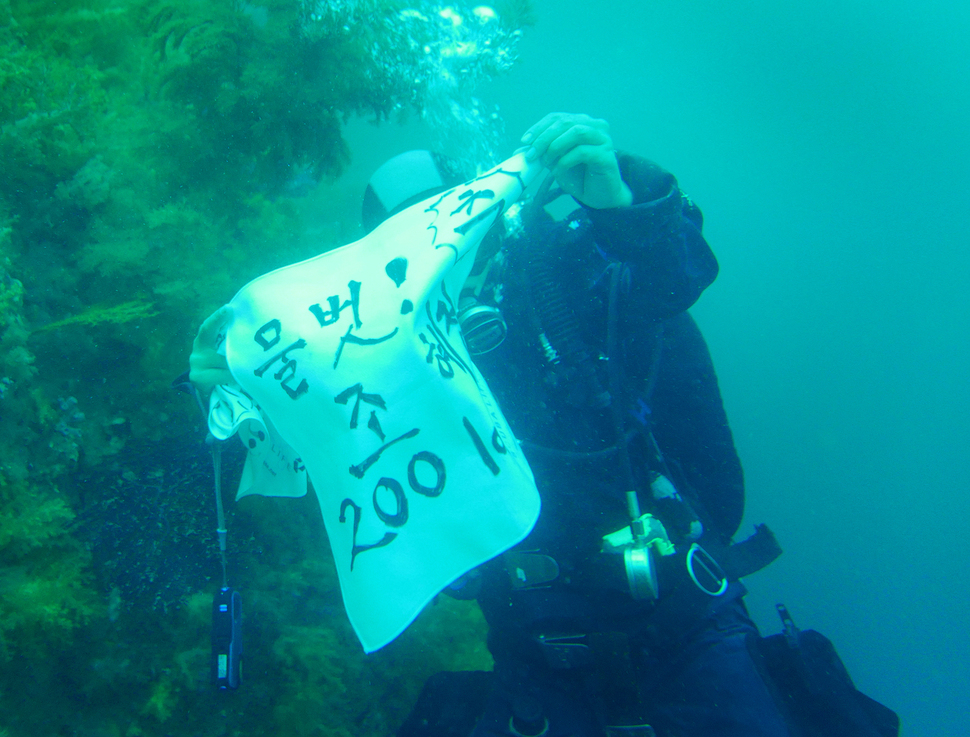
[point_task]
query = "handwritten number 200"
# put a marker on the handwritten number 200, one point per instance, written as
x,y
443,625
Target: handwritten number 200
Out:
x,y
398,516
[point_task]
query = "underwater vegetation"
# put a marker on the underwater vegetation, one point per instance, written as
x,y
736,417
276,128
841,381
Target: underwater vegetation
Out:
x,y
155,155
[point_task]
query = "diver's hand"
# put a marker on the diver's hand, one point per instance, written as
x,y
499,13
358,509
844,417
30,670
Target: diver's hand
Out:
x,y
207,368
579,152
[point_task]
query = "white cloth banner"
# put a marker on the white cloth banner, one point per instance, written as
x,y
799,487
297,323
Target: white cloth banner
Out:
x,y
272,467
356,359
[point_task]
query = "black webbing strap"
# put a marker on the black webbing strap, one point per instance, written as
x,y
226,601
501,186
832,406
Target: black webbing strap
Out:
x,y
750,555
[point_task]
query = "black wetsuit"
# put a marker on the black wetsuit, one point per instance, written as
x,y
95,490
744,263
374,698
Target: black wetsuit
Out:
x,y
600,288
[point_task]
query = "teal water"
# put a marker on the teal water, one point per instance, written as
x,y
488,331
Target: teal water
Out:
x,y
826,143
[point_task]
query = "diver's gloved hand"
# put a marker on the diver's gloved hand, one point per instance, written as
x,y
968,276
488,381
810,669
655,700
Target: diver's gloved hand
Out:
x,y
579,152
208,367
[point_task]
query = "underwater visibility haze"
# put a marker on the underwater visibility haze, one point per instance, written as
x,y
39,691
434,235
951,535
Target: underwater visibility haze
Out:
x,y
825,142
156,155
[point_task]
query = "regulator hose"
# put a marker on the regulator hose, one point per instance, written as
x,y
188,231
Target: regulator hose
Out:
x,y
561,329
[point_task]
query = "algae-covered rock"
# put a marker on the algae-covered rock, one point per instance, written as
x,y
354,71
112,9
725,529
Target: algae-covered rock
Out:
x,y
156,155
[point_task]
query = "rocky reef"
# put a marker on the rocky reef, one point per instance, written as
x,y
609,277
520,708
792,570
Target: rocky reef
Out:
x,y
155,156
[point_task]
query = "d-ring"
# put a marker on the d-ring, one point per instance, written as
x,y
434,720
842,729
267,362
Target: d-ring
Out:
x,y
700,557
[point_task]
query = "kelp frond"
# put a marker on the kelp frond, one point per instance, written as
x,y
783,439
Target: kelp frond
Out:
x,y
105,315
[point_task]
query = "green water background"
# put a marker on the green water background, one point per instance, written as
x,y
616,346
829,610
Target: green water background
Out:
x,y
827,144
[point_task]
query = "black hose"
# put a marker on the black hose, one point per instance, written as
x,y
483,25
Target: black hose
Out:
x,y
561,329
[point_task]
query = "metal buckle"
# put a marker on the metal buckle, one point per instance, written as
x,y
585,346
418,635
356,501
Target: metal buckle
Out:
x,y
563,652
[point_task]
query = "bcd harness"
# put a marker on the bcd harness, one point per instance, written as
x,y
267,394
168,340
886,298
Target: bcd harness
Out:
x,y
656,557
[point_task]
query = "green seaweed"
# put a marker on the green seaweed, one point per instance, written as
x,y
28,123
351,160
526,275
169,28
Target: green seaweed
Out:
x,y
156,155
44,576
105,314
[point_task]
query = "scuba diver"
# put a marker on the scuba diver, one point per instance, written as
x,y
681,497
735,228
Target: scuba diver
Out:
x,y
621,612
580,327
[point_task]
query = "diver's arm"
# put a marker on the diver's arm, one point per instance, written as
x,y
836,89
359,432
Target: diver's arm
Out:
x,y
659,236
208,367
690,425
637,210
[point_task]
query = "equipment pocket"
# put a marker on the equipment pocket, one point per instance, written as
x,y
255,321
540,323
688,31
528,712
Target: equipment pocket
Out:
x,y
813,687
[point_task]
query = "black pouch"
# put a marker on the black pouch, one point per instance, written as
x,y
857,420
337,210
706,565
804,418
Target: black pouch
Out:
x,y
814,689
